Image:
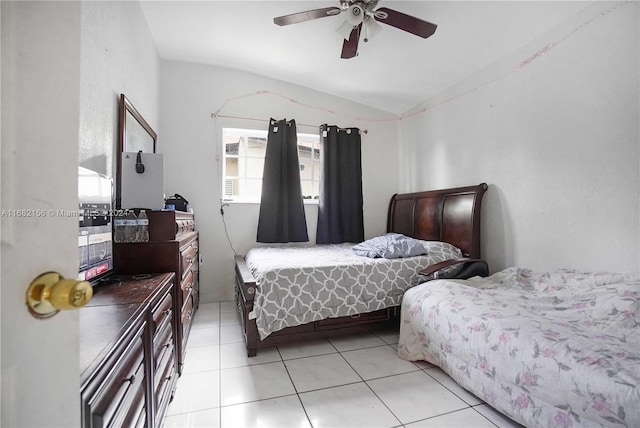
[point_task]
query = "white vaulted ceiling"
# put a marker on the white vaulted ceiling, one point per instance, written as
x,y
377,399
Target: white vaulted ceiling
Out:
x,y
393,72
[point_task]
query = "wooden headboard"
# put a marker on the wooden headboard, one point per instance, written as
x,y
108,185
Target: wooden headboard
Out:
x,y
449,215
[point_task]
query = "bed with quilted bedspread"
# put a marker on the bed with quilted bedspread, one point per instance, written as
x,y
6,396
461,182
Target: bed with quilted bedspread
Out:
x,y
557,349
289,293
298,285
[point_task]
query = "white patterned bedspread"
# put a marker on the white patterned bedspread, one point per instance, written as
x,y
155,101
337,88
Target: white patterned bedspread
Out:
x,y
297,285
556,349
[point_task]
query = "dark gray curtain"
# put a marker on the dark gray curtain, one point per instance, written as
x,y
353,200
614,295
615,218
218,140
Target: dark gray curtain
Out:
x,y
281,208
340,216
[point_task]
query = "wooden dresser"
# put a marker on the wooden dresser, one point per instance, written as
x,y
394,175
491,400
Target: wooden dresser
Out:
x,y
128,357
172,247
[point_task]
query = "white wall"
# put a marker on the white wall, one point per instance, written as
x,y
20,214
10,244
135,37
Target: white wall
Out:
x,y
557,141
191,142
118,55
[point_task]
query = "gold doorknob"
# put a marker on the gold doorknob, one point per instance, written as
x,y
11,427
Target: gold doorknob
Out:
x,y
50,292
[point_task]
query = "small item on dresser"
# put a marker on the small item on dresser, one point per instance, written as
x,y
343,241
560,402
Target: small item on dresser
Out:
x,y
130,226
119,229
142,232
179,203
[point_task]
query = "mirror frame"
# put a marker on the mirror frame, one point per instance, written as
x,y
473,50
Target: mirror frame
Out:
x,y
127,111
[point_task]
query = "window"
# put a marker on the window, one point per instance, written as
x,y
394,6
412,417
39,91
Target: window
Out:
x,y
244,151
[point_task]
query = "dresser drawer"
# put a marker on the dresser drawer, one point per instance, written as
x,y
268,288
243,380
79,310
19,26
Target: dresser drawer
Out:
x,y
164,391
188,256
164,340
195,266
164,369
186,286
162,314
185,225
121,392
187,314
137,415
187,318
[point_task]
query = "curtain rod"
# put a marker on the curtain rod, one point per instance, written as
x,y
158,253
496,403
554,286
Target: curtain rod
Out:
x,y
214,116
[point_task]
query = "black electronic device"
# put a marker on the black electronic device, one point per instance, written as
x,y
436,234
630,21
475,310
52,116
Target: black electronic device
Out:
x,y
179,203
95,216
139,164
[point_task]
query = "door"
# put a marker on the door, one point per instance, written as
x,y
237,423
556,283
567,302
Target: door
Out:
x,y
40,85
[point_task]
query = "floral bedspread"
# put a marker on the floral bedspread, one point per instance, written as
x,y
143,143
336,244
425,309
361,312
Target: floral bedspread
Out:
x,y
298,285
557,349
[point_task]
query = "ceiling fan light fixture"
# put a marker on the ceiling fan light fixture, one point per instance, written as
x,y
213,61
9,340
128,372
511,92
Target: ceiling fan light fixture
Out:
x,y
371,28
355,15
345,30
361,21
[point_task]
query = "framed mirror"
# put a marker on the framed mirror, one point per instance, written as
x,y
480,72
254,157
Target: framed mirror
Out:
x,y
134,135
135,132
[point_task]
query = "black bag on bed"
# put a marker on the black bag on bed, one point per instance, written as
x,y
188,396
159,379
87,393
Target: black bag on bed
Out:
x,y
468,270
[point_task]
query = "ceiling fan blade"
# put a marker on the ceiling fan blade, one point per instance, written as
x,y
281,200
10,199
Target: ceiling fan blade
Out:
x,y
405,22
350,47
308,15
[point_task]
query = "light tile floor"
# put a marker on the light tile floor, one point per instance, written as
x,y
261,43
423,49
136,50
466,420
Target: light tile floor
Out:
x,y
350,381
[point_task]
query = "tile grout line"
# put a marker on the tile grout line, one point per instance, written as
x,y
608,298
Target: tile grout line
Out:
x,y
449,413
480,413
371,389
295,388
417,369
445,386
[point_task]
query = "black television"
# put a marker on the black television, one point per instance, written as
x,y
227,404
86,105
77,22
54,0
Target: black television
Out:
x,y
95,215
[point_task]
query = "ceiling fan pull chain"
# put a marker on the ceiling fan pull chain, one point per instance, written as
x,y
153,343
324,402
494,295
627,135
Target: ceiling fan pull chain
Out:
x,y
365,30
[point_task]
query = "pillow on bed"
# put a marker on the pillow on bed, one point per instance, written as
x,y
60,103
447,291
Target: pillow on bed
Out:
x,y
446,250
391,246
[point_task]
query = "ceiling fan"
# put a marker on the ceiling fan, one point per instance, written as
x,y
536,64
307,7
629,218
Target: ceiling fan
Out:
x,y
361,17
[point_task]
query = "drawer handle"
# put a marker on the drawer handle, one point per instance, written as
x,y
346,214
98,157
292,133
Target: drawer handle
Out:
x,y
189,315
168,312
189,259
131,379
355,316
251,290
